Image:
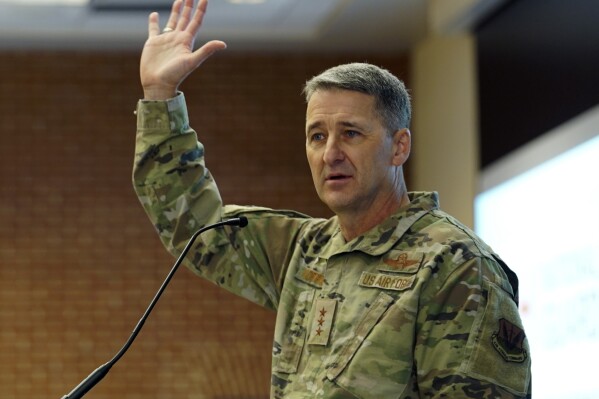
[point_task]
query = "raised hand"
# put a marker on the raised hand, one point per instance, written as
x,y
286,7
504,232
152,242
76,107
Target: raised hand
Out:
x,y
168,57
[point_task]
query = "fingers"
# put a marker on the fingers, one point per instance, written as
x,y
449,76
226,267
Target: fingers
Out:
x,y
174,17
181,14
153,27
180,17
198,16
185,15
153,23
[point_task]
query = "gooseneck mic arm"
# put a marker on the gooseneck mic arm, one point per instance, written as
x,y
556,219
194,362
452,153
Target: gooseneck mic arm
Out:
x,y
97,375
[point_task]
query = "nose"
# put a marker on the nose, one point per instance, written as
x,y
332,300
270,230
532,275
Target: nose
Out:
x,y
333,153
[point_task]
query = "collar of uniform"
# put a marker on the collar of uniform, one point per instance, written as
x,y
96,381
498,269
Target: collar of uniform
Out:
x,y
384,236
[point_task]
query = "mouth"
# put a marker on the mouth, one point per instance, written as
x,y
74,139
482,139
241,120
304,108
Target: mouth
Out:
x,y
337,177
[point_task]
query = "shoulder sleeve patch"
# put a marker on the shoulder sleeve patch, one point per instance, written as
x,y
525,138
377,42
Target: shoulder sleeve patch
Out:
x,y
508,340
500,349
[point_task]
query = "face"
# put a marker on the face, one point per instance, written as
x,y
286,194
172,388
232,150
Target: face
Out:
x,y
353,159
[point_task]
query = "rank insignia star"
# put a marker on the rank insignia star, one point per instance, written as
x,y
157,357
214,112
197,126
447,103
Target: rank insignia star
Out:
x,y
322,321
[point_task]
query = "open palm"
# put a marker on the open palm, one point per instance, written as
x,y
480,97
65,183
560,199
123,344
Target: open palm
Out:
x,y
168,57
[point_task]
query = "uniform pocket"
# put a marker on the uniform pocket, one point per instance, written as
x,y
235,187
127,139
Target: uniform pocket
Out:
x,y
367,366
286,354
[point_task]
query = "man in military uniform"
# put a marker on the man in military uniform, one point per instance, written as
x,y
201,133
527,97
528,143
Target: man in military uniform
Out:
x,y
391,298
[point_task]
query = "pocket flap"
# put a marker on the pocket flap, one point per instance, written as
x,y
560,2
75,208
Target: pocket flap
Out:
x,y
372,315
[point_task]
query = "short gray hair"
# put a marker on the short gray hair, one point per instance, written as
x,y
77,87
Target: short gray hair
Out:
x,y
392,101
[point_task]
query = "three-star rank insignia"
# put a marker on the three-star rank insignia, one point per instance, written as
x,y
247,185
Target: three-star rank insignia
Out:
x,y
322,321
508,340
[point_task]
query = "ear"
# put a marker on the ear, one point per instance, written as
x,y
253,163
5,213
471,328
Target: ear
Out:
x,y
402,144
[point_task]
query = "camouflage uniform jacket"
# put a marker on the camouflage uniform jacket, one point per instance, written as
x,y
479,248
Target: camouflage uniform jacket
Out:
x,y
418,307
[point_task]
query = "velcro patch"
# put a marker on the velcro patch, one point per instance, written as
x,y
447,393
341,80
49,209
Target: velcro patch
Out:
x,y
508,340
386,281
322,323
310,276
403,261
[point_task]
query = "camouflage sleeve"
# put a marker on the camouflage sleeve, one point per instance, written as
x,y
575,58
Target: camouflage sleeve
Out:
x,y
180,196
169,174
470,340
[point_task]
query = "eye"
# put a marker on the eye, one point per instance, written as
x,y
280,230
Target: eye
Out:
x,y
352,133
316,137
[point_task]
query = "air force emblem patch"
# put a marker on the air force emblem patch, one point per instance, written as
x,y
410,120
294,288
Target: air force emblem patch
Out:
x,y
508,340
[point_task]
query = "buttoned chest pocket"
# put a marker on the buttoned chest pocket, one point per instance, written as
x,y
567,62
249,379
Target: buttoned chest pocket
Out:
x,y
286,354
377,362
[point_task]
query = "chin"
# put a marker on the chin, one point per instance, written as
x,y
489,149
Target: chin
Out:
x,y
337,204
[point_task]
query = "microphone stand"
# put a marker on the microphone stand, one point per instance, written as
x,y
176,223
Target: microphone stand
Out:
x,y
98,374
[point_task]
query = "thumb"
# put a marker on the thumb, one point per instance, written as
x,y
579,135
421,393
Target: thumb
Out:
x,y
207,50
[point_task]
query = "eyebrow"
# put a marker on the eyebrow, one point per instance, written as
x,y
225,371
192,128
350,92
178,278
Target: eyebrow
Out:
x,y
342,123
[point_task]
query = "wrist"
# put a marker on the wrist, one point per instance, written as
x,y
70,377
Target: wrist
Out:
x,y
159,94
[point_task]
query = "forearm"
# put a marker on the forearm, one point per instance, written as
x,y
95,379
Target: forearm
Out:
x,y
180,196
169,175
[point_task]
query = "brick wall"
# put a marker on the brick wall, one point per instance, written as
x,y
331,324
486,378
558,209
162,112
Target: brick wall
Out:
x,y
79,261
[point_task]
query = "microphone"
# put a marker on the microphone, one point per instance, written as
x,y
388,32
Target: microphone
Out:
x,y
98,374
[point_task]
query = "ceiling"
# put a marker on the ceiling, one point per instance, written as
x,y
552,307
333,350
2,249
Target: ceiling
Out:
x,y
382,26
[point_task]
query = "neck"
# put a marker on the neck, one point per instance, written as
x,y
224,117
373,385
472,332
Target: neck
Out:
x,y
354,224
